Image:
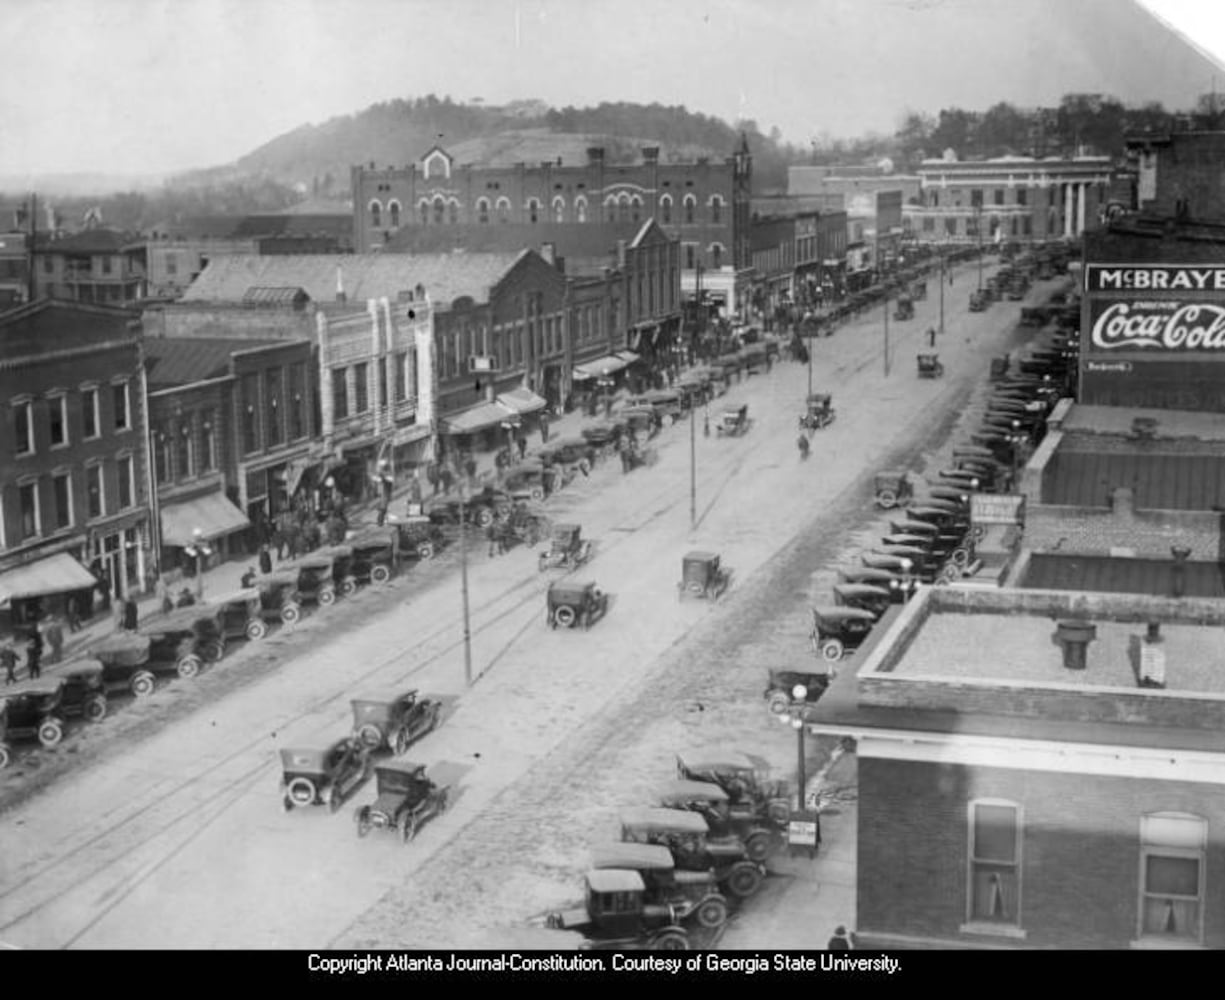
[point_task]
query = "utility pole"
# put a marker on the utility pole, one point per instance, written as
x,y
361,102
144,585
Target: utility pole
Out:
x,y
941,252
30,250
886,331
693,466
463,577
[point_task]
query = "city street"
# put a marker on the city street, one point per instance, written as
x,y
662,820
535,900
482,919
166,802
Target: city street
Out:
x,y
168,832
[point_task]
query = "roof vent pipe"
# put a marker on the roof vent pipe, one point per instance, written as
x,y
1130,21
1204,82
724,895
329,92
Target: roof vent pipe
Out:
x,y
1075,637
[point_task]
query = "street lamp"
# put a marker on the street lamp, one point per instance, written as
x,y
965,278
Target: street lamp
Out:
x,y
793,717
463,577
199,551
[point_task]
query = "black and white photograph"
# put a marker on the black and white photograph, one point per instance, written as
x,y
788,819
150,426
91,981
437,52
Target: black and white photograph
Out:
x,y
484,479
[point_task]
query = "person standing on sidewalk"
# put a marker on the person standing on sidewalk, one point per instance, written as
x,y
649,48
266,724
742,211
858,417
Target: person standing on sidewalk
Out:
x,y
34,654
54,632
521,441
130,614
265,560
544,429
8,658
843,940
73,612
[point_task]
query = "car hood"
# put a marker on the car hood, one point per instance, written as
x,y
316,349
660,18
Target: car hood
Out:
x,y
387,804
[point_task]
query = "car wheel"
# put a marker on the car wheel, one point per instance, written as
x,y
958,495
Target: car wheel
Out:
x,y
425,550
778,703
886,499
536,493
348,586
50,732
256,629
668,420
290,614
381,574
960,557
564,616
332,798
4,756
744,880
143,684
832,650
212,651
758,846
370,736
670,941
712,912
95,708
301,792
326,596
363,821
484,517
779,812
188,666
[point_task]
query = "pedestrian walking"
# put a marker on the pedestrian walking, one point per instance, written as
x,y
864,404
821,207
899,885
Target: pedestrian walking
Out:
x,y
265,560
521,441
8,657
73,610
433,475
802,443
34,655
491,534
130,614
55,639
447,477
931,336
293,539
842,940
544,430
470,466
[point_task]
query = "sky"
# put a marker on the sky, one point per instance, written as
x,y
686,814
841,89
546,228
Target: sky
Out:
x,y
156,86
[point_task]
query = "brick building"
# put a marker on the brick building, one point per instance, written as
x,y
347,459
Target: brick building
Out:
x,y
1179,174
74,488
981,717
95,265
704,204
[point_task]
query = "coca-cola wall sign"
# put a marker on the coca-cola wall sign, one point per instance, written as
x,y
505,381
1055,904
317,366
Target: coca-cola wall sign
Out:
x,y
1157,326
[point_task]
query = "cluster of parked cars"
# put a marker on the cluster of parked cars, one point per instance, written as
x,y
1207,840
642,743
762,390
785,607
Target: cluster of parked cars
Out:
x,y
681,864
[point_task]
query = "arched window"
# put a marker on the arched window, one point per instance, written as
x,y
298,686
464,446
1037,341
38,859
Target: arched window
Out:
x,y
716,255
394,209
559,209
623,208
691,204
376,213
580,209
690,257
440,209
504,210
716,209
482,210
665,209
423,210
610,208
453,211
636,208
533,210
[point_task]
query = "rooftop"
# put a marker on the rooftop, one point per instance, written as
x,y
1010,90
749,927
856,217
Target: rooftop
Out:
x,y
172,361
58,324
1158,480
1121,575
1118,420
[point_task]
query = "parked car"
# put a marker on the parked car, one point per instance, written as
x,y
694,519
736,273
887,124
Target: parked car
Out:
x,y
406,800
316,576
616,915
819,412
32,709
575,603
839,631
865,596
530,480
667,403
687,835
904,309
278,596
416,535
748,784
979,300
760,835
893,489
795,691
604,436
481,508
734,420
84,692
241,613
393,720
373,560
567,548
702,576
691,895
930,366
323,776
900,586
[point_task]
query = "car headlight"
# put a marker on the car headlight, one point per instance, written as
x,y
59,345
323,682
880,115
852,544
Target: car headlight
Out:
x,y
799,692
906,564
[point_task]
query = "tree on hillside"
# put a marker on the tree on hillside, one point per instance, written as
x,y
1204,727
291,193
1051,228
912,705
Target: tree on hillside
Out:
x,y
954,130
914,136
1002,131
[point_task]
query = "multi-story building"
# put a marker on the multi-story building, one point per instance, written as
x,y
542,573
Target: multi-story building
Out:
x,y
703,204
94,265
822,234
14,269
1008,198
1179,174
1038,769
74,485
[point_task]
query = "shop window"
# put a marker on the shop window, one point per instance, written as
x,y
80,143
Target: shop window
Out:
x,y
1172,856
995,863
716,255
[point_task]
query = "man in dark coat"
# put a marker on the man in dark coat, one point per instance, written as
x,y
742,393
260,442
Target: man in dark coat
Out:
x,y
8,659
521,441
841,941
129,614
265,560
34,654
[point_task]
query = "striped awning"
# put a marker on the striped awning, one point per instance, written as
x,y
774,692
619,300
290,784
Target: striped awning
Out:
x,y
212,515
55,574
477,418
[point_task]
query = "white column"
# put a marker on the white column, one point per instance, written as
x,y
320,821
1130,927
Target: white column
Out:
x,y
1083,194
1067,210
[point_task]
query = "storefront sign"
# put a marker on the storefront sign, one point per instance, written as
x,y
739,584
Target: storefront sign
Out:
x,y
1159,326
997,508
1123,367
802,828
1154,278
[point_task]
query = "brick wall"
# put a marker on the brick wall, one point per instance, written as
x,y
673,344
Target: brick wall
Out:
x,y
1080,867
183,320
1147,533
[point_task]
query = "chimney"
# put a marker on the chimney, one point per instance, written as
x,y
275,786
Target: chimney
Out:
x,y
1075,637
1152,658
1178,572
621,254
1123,502
595,154
549,252
650,154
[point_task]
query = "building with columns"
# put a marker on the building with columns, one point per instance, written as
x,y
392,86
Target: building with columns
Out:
x,y
1008,198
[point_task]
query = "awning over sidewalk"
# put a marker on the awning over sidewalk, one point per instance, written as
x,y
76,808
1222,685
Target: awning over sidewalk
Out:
x,y
56,574
522,401
477,418
629,357
212,513
594,369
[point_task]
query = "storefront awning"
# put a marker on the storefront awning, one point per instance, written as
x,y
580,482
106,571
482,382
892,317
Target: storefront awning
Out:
x,y
56,574
522,401
629,357
598,367
212,514
477,418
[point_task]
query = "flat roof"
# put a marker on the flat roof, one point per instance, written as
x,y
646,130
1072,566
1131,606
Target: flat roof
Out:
x,y
1116,421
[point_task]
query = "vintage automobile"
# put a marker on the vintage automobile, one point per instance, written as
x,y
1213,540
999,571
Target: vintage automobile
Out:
x,y
839,631
930,366
733,421
795,691
694,390
317,574
875,600
84,693
687,835
922,559
575,603
125,664
569,457
909,526
966,479
567,548
531,479
702,576
999,367
904,309
616,915
393,720
406,800
692,895
241,614
641,421
32,709
373,559
759,835
417,536
819,412
918,291
747,784
668,403
177,642
979,300
900,586
482,508
893,489
278,596
959,495
323,776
